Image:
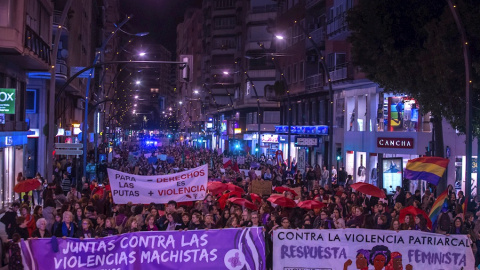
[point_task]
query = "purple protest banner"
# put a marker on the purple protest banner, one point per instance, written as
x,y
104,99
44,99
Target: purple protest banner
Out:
x,y
232,249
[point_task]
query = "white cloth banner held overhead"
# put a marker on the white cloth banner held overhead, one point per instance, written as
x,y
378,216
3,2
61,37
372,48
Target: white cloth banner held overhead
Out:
x,y
184,186
370,249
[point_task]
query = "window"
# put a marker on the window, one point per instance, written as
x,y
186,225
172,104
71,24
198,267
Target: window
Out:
x,y
5,13
31,106
336,61
271,117
301,73
224,23
294,73
224,4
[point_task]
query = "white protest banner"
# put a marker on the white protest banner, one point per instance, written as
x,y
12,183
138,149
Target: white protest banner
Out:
x,y
184,186
370,249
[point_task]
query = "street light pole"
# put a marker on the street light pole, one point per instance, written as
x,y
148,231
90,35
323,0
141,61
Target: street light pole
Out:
x,y
289,111
51,96
469,96
87,92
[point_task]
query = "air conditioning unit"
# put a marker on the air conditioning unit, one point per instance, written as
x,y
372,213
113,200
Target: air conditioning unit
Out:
x,y
80,104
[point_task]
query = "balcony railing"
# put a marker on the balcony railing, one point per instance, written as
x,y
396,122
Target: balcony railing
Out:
x,y
314,83
263,9
56,20
311,3
337,24
61,70
36,44
318,36
340,72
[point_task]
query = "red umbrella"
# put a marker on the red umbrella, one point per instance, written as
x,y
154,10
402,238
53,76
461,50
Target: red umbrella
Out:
x,y
27,185
369,189
243,202
282,201
233,187
216,187
414,211
310,204
283,189
235,193
223,200
255,197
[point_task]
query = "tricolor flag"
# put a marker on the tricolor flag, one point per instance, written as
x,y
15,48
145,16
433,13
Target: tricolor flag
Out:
x,y
227,162
437,206
430,169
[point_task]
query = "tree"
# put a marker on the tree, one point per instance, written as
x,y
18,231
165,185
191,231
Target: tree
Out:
x,y
414,47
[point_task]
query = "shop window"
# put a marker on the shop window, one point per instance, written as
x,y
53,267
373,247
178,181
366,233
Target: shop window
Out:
x,y
401,113
362,113
351,114
340,113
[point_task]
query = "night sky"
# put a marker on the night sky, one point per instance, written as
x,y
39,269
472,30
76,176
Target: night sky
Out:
x,y
159,17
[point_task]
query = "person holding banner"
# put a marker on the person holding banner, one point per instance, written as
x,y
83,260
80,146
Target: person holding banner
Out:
x,y
87,230
131,226
67,227
150,224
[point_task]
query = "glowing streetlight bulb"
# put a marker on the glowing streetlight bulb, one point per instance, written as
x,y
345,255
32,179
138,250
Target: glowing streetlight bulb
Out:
x,y
142,53
134,105
195,92
136,97
137,82
180,102
279,37
225,72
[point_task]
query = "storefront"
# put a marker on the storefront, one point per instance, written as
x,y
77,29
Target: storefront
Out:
x,y
11,162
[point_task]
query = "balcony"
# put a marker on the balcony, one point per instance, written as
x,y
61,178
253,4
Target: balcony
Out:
x,y
56,21
223,12
314,83
224,50
37,45
263,73
318,37
260,17
312,3
337,25
341,72
61,70
253,45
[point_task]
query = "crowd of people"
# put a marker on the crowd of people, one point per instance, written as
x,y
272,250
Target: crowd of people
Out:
x,y
66,210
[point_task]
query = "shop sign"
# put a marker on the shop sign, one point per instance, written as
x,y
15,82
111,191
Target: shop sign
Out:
x,y
282,138
306,141
270,138
7,100
310,130
248,137
395,143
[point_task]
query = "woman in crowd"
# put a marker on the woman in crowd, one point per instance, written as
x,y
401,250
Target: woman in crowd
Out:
x,y
131,225
41,231
87,230
421,223
109,229
150,223
67,228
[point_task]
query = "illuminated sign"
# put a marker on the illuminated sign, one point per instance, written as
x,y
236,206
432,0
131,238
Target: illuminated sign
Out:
x,y
270,138
36,134
238,131
310,130
7,100
209,125
306,141
395,143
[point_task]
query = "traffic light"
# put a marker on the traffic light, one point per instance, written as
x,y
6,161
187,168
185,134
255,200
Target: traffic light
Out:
x,y
257,148
339,154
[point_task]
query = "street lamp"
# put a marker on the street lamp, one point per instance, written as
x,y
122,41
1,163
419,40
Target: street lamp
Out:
x,y
142,53
195,92
180,102
136,97
137,82
279,37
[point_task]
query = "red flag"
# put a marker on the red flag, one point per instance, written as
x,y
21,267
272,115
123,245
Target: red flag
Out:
x,y
235,167
227,164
